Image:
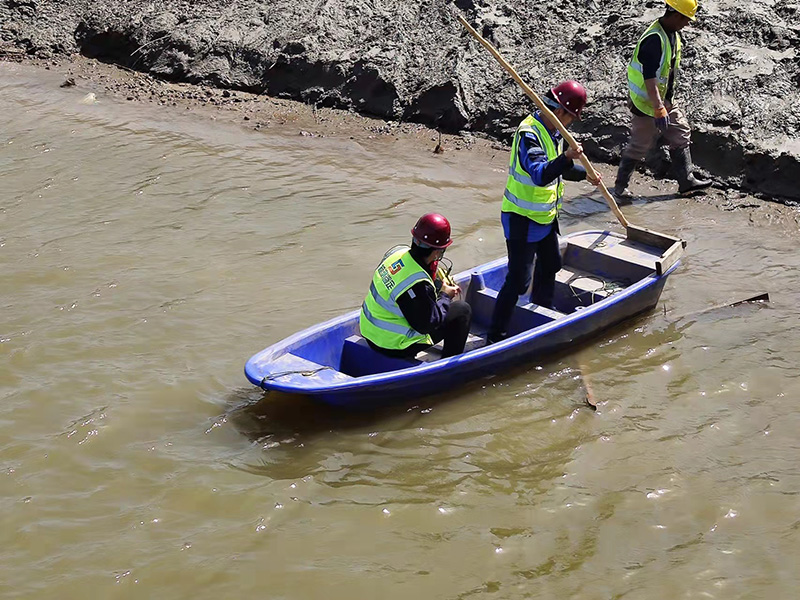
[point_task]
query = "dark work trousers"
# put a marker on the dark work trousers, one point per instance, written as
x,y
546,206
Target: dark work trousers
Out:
x,y
454,332
520,264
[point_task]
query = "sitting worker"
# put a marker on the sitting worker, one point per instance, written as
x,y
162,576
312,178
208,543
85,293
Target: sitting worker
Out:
x,y
403,313
532,201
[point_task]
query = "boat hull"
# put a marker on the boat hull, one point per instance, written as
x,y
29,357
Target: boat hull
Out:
x,y
308,362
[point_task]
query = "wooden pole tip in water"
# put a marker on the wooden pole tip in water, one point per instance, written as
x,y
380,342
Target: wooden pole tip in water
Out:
x,y
591,399
439,149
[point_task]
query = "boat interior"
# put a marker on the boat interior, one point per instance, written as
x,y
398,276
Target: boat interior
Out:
x,y
596,265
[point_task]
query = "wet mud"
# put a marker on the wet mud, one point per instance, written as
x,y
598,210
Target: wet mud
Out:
x,y
412,62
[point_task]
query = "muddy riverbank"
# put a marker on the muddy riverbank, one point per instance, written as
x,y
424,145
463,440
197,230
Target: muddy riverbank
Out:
x,y
412,62
91,81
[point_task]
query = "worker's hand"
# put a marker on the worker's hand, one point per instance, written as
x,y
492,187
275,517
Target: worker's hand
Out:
x,y
574,153
452,291
592,180
662,118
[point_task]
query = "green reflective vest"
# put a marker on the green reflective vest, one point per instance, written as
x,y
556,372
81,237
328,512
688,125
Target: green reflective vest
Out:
x,y
522,196
381,321
636,86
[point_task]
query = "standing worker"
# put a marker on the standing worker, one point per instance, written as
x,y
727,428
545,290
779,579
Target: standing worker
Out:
x,y
652,79
532,201
403,312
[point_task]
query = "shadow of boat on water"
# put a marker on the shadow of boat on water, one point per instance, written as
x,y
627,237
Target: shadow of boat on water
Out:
x,y
260,415
292,435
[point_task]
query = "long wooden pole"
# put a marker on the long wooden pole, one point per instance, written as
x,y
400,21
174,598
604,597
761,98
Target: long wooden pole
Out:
x,y
673,245
550,117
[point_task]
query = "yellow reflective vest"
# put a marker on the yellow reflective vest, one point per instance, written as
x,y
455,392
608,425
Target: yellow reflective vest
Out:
x,y
636,87
381,321
522,196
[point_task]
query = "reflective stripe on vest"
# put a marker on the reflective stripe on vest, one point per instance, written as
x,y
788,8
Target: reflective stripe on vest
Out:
x,y
381,320
636,86
522,196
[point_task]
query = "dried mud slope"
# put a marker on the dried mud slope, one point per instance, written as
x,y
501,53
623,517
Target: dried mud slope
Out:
x,y
412,61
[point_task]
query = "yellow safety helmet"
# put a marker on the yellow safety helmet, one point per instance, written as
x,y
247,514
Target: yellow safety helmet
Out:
x,y
685,7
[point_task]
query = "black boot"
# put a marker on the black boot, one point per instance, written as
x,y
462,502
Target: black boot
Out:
x,y
687,182
624,172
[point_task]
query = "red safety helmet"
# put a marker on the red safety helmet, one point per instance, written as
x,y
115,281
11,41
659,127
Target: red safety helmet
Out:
x,y
571,95
432,230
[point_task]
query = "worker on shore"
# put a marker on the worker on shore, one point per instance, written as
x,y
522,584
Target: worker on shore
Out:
x,y
532,200
406,310
652,79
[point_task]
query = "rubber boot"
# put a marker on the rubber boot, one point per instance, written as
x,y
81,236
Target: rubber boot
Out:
x,y
624,172
687,182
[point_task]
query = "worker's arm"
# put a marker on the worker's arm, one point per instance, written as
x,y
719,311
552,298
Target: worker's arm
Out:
x,y
534,161
424,308
661,114
542,171
651,85
576,173
650,56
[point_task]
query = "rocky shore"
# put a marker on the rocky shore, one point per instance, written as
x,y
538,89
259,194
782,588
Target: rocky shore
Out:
x,y
411,62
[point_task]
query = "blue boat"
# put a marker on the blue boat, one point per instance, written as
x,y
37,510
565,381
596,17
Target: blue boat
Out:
x,y
606,279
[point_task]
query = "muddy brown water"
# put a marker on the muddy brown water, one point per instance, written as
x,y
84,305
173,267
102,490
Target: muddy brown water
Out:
x,y
146,254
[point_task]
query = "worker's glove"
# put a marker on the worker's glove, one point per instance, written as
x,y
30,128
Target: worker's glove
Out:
x,y
662,118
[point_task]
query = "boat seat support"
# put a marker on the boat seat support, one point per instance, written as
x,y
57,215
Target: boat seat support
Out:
x,y
359,359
